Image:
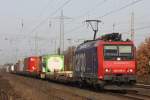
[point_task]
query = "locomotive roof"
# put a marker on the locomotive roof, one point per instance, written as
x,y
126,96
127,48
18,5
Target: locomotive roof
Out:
x,y
94,43
112,38
88,44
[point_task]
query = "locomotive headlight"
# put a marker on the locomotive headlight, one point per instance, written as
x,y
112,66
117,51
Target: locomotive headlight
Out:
x,y
118,58
33,67
107,70
130,70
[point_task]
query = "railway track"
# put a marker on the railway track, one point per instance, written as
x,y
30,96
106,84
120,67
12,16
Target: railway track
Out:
x,y
124,93
129,94
142,86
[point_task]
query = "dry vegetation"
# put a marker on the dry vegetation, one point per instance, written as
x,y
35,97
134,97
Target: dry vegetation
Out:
x,y
143,61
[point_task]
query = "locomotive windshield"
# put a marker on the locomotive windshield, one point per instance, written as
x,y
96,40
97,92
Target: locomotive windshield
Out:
x,y
112,52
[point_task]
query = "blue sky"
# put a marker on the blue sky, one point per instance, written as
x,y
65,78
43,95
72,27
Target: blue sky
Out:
x,y
17,41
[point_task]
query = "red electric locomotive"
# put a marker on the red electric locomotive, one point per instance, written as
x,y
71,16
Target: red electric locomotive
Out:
x,y
107,60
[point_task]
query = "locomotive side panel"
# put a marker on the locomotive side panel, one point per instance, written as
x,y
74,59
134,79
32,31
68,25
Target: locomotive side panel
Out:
x,y
86,63
91,63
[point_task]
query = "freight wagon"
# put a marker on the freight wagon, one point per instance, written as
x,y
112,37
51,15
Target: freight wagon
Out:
x,y
51,64
30,66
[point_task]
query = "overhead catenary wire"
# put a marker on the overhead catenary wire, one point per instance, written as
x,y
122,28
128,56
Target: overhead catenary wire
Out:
x,y
140,28
100,3
121,8
53,13
109,13
43,21
49,4
91,9
79,17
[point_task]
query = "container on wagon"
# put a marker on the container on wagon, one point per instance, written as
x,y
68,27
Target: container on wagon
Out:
x,y
20,65
11,68
32,64
16,67
52,63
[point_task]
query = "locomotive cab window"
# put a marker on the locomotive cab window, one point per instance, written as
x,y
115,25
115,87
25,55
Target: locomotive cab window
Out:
x,y
125,52
112,52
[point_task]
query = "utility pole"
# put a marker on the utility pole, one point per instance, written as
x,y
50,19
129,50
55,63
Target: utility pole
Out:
x,y
70,53
36,44
55,49
61,32
114,27
132,26
53,41
94,26
22,23
61,38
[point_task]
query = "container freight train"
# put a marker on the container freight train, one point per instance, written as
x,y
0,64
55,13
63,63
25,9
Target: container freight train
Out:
x,y
105,61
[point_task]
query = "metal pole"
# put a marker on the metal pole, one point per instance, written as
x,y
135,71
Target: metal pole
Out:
x,y
113,27
61,44
59,49
62,31
55,46
132,26
94,34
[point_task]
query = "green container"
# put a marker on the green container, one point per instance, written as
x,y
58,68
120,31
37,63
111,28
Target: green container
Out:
x,y
52,63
